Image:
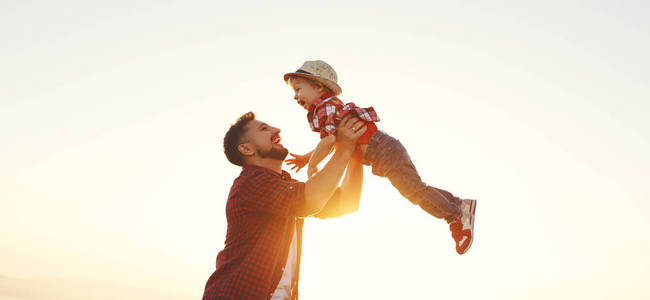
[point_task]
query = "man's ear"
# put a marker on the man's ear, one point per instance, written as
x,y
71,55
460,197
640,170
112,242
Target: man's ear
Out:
x,y
245,149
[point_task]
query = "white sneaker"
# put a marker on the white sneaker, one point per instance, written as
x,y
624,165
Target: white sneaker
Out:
x,y
462,230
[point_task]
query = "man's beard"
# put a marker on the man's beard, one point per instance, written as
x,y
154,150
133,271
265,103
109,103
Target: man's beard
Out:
x,y
274,153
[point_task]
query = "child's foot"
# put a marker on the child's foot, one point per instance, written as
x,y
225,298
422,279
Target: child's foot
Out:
x,y
462,230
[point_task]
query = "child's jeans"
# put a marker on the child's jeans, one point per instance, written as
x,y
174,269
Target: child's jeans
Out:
x,y
389,158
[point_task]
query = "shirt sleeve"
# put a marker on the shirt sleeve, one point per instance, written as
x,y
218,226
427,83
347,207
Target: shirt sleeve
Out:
x,y
265,192
327,119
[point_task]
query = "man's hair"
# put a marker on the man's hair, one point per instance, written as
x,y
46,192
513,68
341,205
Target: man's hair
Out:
x,y
312,82
233,139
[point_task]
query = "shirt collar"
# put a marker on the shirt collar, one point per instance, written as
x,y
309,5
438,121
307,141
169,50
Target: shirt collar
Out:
x,y
324,96
249,168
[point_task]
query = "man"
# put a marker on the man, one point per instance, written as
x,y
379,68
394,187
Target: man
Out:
x,y
265,209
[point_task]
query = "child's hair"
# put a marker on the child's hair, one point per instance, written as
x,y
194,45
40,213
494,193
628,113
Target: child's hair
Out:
x,y
312,82
234,137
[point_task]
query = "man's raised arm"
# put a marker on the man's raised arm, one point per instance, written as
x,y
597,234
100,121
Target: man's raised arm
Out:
x,y
346,199
320,187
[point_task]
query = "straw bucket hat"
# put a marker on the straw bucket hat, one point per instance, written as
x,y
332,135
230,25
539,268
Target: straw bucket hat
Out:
x,y
320,71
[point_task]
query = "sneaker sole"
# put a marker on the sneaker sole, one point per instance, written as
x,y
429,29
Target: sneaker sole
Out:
x,y
472,210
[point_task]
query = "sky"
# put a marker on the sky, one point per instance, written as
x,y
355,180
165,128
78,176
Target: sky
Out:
x,y
113,181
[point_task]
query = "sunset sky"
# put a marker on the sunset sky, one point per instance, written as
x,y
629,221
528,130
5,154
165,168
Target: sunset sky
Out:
x,y
113,181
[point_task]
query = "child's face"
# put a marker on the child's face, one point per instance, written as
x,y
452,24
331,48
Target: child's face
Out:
x,y
306,93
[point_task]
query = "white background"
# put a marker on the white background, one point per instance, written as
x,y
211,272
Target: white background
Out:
x,y
113,181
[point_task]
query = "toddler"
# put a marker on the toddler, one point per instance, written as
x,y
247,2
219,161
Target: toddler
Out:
x,y
316,90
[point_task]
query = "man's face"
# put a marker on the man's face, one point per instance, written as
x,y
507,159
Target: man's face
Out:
x,y
265,140
306,93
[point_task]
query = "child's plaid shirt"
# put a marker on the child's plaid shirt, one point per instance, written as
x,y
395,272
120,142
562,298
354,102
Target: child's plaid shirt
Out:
x,y
325,115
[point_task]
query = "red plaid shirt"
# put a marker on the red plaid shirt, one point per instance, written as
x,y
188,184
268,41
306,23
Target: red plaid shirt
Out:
x,y
261,218
324,116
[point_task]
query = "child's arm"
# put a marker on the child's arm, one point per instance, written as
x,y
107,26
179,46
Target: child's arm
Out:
x,y
323,148
298,161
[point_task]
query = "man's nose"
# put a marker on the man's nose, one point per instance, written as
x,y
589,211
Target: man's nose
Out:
x,y
295,96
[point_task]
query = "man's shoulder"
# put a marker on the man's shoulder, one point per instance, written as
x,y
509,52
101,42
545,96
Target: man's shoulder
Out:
x,y
247,177
253,177
243,188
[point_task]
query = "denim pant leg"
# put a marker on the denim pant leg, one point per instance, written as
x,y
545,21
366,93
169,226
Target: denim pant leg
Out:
x,y
389,159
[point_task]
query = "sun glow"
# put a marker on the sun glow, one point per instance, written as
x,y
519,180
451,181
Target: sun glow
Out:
x,y
113,176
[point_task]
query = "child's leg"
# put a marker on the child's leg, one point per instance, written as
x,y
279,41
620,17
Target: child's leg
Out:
x,y
449,196
389,158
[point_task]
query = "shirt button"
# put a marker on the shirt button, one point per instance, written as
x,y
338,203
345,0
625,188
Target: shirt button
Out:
x,y
291,188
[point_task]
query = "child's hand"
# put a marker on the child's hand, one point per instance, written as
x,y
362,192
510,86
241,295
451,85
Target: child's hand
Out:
x,y
311,170
298,161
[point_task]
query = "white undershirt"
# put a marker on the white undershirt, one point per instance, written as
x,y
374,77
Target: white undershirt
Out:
x,y
283,290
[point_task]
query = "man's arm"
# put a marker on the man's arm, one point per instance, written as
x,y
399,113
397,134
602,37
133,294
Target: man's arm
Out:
x,y
346,199
320,187
323,148
351,187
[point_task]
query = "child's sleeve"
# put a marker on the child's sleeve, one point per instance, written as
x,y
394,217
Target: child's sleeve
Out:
x,y
328,124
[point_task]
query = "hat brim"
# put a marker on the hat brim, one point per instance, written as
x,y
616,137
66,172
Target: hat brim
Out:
x,y
333,86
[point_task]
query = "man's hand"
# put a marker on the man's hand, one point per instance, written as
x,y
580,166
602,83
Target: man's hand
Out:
x,y
348,132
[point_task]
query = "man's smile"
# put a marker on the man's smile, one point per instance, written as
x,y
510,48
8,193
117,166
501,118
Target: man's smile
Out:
x,y
276,139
